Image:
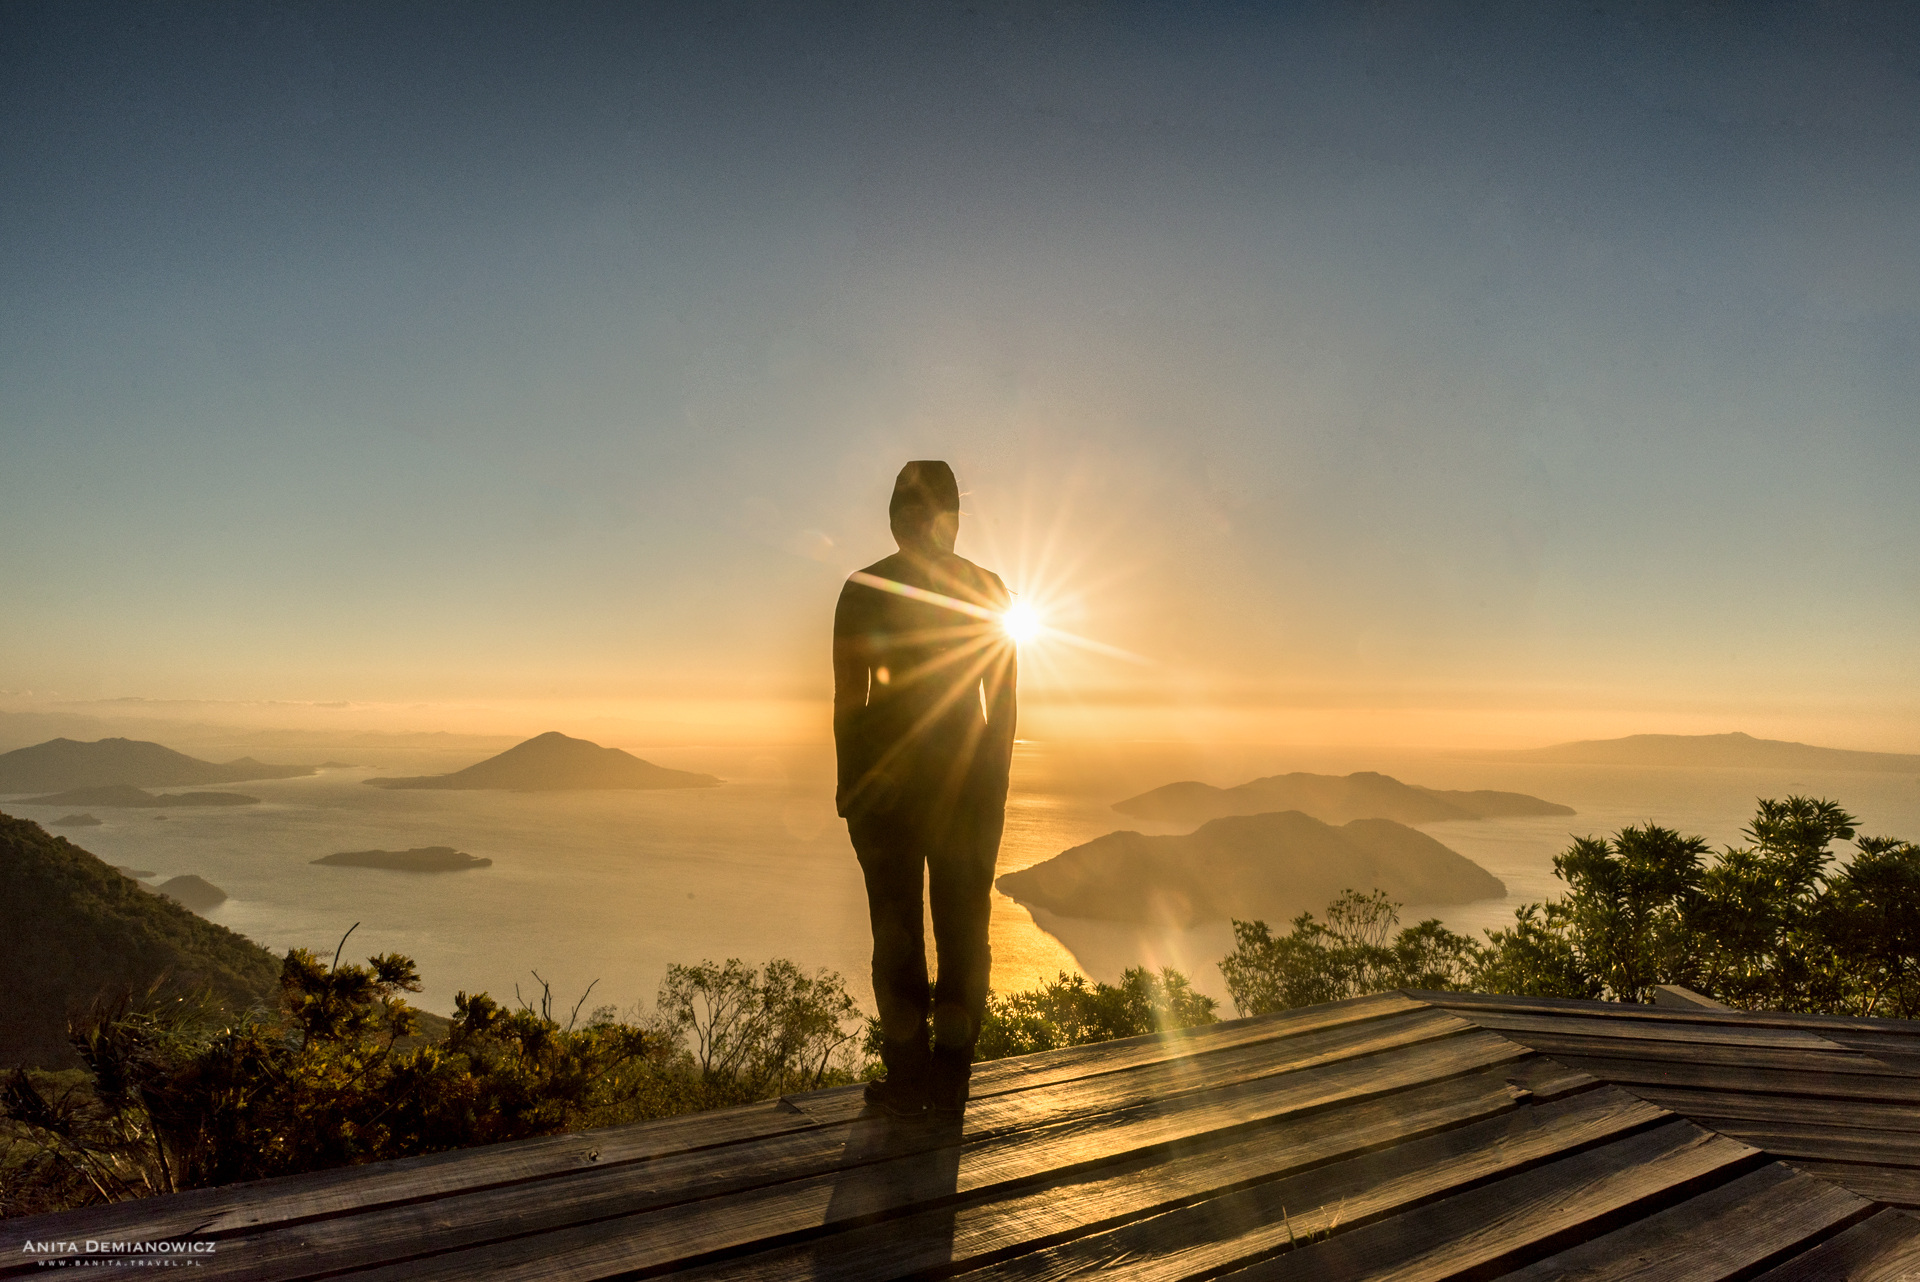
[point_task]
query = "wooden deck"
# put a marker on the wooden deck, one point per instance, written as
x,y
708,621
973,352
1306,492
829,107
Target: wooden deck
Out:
x,y
1406,1135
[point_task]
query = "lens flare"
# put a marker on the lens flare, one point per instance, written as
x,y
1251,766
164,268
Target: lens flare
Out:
x,y
1021,622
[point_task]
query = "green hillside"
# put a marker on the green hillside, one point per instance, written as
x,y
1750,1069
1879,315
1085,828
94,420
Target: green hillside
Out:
x,y
72,928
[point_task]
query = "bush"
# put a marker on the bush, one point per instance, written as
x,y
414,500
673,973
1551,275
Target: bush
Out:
x,y
1773,925
1354,951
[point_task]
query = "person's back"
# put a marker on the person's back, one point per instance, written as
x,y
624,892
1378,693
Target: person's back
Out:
x,y
923,722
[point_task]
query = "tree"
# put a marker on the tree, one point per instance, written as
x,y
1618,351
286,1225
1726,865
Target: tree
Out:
x,y
1071,1011
748,1034
1354,951
1772,925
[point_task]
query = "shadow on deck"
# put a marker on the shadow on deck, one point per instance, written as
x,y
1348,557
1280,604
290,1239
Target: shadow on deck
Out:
x,y
1405,1135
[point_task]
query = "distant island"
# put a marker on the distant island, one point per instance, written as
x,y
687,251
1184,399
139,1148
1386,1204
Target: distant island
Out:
x,y
552,762
190,891
1334,799
1696,750
125,795
61,764
76,821
1270,866
73,930
420,859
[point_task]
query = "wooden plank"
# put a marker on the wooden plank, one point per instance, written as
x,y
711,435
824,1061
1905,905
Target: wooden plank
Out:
x,y
1776,1058
236,1207
1862,1025
1817,1143
1749,1223
1427,1128
1895,1185
1882,1248
615,1238
1678,1070
1478,1200
1689,1033
295,1198
1901,1122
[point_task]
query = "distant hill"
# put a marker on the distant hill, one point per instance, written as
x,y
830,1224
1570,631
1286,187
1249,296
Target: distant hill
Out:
x,y
72,929
1270,866
552,762
1734,749
120,794
1334,799
194,892
419,859
76,821
60,764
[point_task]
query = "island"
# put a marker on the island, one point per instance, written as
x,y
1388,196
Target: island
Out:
x,y
196,893
1269,866
76,821
553,762
419,859
60,764
1694,751
126,795
1335,799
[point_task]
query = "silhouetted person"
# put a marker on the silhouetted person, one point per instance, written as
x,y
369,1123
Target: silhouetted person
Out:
x,y
923,716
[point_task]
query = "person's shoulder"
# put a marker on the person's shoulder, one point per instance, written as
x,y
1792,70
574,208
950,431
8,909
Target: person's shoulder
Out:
x,y
985,581
887,567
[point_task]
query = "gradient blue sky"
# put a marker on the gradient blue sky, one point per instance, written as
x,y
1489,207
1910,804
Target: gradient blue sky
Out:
x,y
1553,363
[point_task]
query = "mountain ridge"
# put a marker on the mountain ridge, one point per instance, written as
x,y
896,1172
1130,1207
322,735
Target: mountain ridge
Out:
x,y
554,762
73,929
1334,799
1735,748
59,765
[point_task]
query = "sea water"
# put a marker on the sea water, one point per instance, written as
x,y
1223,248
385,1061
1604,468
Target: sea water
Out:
x,y
605,890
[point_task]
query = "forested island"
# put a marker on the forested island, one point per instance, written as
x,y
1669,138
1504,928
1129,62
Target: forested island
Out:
x,y
1271,865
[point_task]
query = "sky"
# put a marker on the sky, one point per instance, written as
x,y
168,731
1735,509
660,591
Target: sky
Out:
x,y
1467,374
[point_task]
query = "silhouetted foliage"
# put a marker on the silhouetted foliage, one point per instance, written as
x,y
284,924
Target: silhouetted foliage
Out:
x,y
1773,925
746,1034
1354,951
1070,1011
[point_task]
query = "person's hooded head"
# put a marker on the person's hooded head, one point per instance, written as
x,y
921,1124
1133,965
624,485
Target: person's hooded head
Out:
x,y
925,509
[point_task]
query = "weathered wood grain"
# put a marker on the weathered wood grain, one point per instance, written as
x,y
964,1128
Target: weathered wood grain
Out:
x,y
297,1198
1883,1248
1778,1059
1510,1222
1678,1070
1895,1185
1747,1223
1244,1227
1058,1209
770,1216
1853,1025
1719,1033
1900,1123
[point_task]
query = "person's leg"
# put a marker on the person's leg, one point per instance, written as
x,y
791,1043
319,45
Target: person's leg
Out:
x,y
960,877
892,864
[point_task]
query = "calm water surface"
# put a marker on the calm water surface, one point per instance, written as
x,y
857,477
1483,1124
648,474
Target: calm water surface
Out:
x,y
613,887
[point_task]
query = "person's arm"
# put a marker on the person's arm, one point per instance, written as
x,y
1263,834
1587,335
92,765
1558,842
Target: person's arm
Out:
x,y
998,686
850,669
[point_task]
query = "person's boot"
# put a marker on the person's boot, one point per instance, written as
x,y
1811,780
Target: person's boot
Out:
x,y
903,1091
947,1080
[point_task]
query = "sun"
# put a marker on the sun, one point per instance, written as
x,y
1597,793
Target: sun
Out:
x,y
1021,623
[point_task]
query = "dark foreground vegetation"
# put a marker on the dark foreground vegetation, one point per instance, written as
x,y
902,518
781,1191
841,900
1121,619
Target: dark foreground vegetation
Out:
x,y
1774,925
176,1090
